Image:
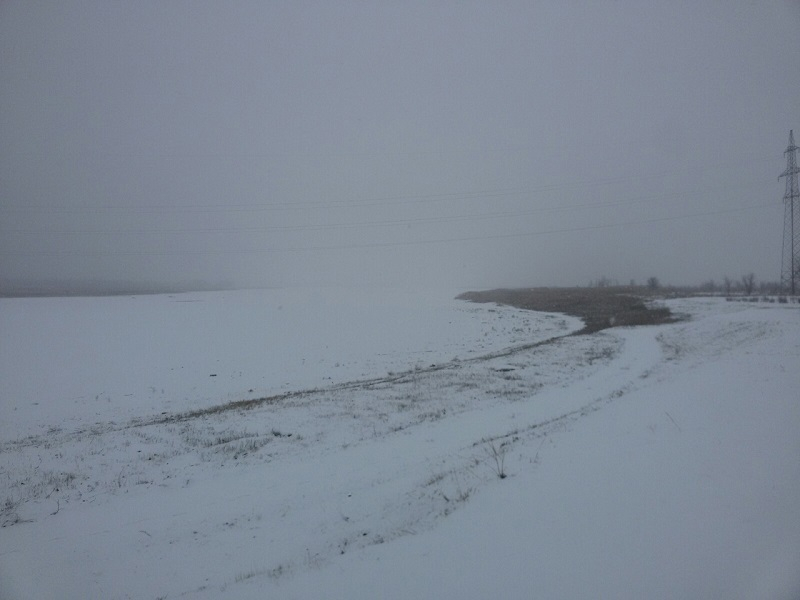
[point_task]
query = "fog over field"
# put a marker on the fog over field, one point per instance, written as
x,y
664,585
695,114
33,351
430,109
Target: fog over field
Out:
x,y
466,144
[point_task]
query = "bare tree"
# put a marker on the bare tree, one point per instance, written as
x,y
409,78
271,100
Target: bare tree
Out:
x,y
603,282
748,283
728,283
653,283
709,286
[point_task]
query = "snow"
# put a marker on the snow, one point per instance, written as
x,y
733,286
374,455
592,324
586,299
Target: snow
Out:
x,y
651,462
70,361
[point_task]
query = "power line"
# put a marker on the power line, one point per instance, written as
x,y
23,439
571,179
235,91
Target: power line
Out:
x,y
376,223
395,244
336,204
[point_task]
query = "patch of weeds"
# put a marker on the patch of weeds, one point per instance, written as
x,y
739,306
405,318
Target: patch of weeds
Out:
x,y
58,480
672,349
435,479
460,496
457,496
225,438
277,571
245,446
240,577
120,479
433,415
466,385
42,484
233,446
8,512
510,376
595,354
497,458
506,391
193,437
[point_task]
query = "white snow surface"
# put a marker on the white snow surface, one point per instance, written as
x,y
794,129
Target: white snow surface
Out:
x,y
407,445
72,361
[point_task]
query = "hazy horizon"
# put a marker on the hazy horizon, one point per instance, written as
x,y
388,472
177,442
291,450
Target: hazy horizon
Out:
x,y
453,144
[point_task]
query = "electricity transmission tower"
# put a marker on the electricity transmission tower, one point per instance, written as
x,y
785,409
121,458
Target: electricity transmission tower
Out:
x,y
790,263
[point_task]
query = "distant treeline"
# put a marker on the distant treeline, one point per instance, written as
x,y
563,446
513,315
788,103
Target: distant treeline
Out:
x,y
747,284
104,287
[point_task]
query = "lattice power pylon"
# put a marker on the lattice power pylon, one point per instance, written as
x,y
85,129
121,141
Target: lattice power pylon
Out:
x,y
790,262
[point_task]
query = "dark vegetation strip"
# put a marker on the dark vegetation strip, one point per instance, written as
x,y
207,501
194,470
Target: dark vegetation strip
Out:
x,y
599,308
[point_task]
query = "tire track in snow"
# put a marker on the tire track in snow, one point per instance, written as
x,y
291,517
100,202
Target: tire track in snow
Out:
x,y
454,452
56,438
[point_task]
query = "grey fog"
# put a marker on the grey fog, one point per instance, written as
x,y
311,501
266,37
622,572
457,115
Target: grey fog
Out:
x,y
466,144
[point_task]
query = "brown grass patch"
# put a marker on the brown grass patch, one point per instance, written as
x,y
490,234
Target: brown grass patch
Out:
x,y
600,308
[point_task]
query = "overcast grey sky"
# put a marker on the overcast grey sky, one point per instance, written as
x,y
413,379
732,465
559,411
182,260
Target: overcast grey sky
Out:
x,y
468,144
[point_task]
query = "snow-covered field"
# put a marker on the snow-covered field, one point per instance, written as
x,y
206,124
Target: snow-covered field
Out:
x,y
407,446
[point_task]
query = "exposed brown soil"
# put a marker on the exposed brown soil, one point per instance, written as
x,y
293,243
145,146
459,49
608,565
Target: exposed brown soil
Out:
x,y
600,308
